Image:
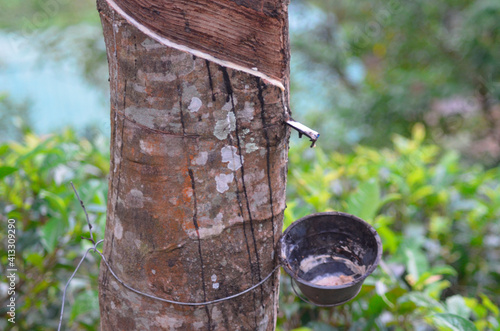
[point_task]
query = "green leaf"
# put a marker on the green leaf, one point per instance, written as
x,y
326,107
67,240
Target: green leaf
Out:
x,y
5,171
417,176
389,239
3,149
55,201
443,270
376,305
85,302
436,289
416,262
39,149
289,214
422,192
479,310
489,304
456,305
390,198
40,287
418,132
421,299
434,274
52,231
35,259
454,322
365,202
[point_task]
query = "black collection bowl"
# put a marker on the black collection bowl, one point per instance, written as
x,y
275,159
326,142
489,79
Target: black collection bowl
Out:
x,y
329,255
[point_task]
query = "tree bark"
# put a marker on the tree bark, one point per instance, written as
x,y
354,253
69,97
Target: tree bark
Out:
x,y
197,182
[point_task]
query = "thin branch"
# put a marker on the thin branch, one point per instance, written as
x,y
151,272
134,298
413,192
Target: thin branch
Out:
x,y
86,215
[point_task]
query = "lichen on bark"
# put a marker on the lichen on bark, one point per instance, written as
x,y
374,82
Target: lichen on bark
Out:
x,y
196,188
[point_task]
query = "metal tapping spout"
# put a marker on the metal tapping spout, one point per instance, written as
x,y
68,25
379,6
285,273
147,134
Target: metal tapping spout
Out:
x,y
303,130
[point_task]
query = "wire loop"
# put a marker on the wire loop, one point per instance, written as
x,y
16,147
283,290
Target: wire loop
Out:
x,y
94,248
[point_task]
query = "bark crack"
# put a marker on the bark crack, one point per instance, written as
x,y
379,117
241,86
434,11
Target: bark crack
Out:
x,y
230,96
195,211
268,165
195,223
210,82
268,154
229,91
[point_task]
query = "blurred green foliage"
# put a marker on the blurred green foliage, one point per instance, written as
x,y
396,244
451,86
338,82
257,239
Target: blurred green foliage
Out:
x,y
436,217
32,16
438,223
35,190
381,66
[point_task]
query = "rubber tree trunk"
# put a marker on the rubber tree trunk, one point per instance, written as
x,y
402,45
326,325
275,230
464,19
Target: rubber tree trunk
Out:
x,y
198,163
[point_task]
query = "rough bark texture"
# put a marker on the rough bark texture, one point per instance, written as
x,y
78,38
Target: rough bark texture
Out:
x,y
196,188
249,33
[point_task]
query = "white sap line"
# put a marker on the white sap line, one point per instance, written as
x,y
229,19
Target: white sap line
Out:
x,y
166,42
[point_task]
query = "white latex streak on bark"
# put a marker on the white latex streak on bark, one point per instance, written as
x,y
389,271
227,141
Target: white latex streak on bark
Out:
x,y
166,42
